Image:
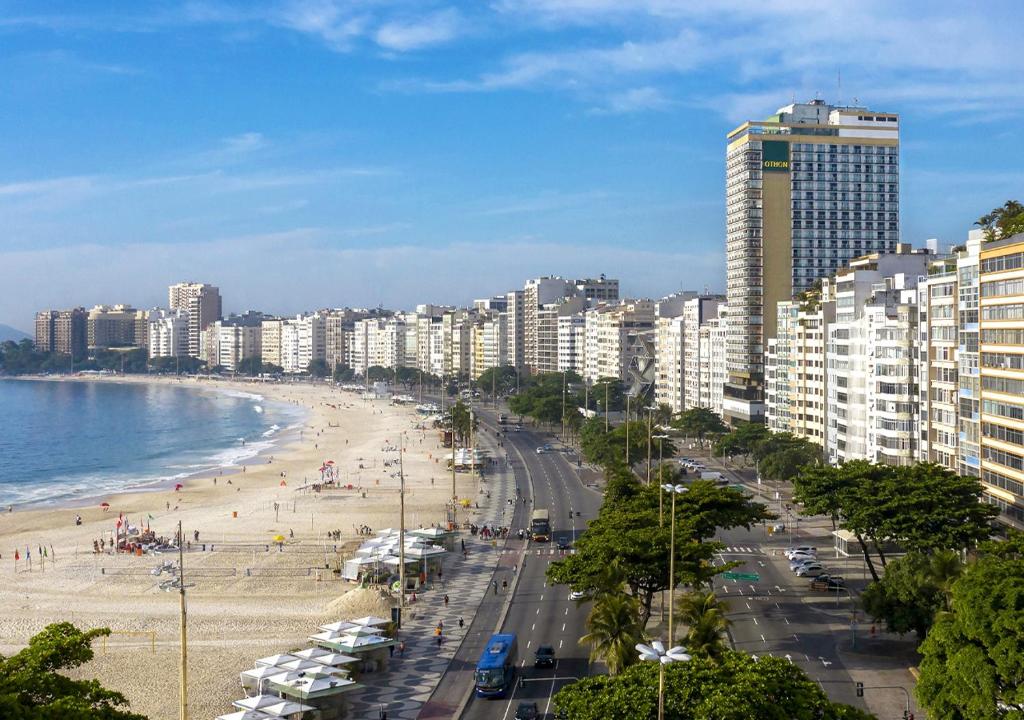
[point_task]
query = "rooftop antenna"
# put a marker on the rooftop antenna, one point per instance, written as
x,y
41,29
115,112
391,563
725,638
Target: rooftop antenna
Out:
x,y
839,86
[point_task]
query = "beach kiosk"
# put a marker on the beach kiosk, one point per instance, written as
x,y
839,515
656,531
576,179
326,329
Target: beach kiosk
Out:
x,y
324,691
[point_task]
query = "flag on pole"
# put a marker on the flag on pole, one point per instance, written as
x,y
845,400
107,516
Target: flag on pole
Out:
x,y
17,555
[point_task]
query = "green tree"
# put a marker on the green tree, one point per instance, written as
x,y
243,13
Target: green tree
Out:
x,y
343,373
31,688
613,630
318,368
705,616
699,423
462,420
741,440
821,489
906,598
606,387
735,687
782,456
973,658
502,380
251,366
634,529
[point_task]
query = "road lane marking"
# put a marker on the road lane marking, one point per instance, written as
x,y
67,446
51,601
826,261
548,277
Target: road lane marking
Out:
x,y
563,627
787,620
753,589
542,596
538,611
560,644
748,605
533,627
567,611
796,638
763,640
754,619
528,645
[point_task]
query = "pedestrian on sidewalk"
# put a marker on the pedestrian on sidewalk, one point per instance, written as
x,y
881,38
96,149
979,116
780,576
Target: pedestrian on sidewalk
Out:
x,y
401,648
461,623
495,583
504,585
446,600
515,568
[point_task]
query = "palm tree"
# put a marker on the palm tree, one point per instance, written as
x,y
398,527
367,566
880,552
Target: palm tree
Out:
x,y
704,614
944,567
615,629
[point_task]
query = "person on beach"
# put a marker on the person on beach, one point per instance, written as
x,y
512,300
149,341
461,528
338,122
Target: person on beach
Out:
x,y
446,601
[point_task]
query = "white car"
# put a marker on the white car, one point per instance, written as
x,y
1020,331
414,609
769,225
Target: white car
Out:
x,y
809,569
577,595
800,562
801,550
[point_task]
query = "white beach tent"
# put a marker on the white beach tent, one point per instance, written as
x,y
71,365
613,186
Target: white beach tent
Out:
x,y
311,685
339,626
370,621
245,715
272,705
251,679
275,660
361,631
335,660
310,653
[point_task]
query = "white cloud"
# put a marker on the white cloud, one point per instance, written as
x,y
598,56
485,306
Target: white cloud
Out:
x,y
634,100
245,143
405,35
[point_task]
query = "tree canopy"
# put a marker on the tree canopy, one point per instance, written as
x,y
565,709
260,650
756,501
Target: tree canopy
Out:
x,y
699,423
735,686
31,688
923,507
911,592
973,658
1003,221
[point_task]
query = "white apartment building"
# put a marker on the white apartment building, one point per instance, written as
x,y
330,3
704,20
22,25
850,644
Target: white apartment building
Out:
x,y
227,344
536,294
548,319
610,332
168,333
303,340
489,334
515,335
872,398
572,343
712,366
670,363
380,342
697,312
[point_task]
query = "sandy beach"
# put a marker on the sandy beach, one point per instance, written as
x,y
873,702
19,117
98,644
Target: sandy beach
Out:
x,y
250,598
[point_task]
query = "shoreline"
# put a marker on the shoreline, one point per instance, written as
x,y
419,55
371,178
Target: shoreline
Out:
x,y
279,441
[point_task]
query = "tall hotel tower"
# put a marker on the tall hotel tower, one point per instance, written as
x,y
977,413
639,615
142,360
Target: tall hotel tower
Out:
x,y
807,190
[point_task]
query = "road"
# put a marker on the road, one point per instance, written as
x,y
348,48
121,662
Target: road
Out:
x,y
770,616
539,613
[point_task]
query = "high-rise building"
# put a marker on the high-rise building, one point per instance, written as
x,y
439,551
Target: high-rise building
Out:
x,y
871,365
303,340
697,312
515,338
1001,346
62,331
713,369
598,290
807,190
536,294
225,343
113,326
796,387
572,343
548,323
203,304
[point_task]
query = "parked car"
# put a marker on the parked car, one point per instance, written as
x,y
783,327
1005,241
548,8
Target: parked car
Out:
x,y
809,569
544,657
577,595
800,549
801,557
778,527
795,564
825,577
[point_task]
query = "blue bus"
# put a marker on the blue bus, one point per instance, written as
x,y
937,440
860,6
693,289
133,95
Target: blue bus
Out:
x,y
497,666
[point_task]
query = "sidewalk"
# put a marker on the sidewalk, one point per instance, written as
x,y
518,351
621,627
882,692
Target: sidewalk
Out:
x,y
406,687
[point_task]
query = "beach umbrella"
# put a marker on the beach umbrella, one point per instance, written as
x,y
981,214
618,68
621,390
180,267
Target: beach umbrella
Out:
x,y
105,505
279,538
178,486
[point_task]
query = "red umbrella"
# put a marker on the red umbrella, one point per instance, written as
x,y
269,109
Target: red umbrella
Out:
x,y
105,505
177,487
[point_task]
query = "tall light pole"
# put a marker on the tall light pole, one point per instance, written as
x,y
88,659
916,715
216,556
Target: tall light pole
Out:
x,y
401,525
661,500
674,490
563,405
656,652
606,406
455,493
650,417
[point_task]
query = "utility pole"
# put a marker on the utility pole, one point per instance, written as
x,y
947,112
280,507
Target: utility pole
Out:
x,y
455,494
606,406
183,710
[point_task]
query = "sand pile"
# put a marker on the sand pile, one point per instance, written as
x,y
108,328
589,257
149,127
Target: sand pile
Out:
x,y
359,602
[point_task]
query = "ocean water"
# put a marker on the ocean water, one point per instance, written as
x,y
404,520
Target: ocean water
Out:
x,y
65,442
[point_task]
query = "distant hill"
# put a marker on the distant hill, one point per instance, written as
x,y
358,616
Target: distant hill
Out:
x,y
9,333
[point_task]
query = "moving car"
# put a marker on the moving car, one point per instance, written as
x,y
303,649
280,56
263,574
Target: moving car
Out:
x,y
825,577
544,657
563,543
527,711
541,450
577,595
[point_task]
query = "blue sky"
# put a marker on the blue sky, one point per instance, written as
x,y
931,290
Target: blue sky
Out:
x,y
308,153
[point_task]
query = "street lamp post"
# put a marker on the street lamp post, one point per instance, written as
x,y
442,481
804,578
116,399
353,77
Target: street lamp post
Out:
x,y
627,430
656,652
650,417
661,501
674,490
179,584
